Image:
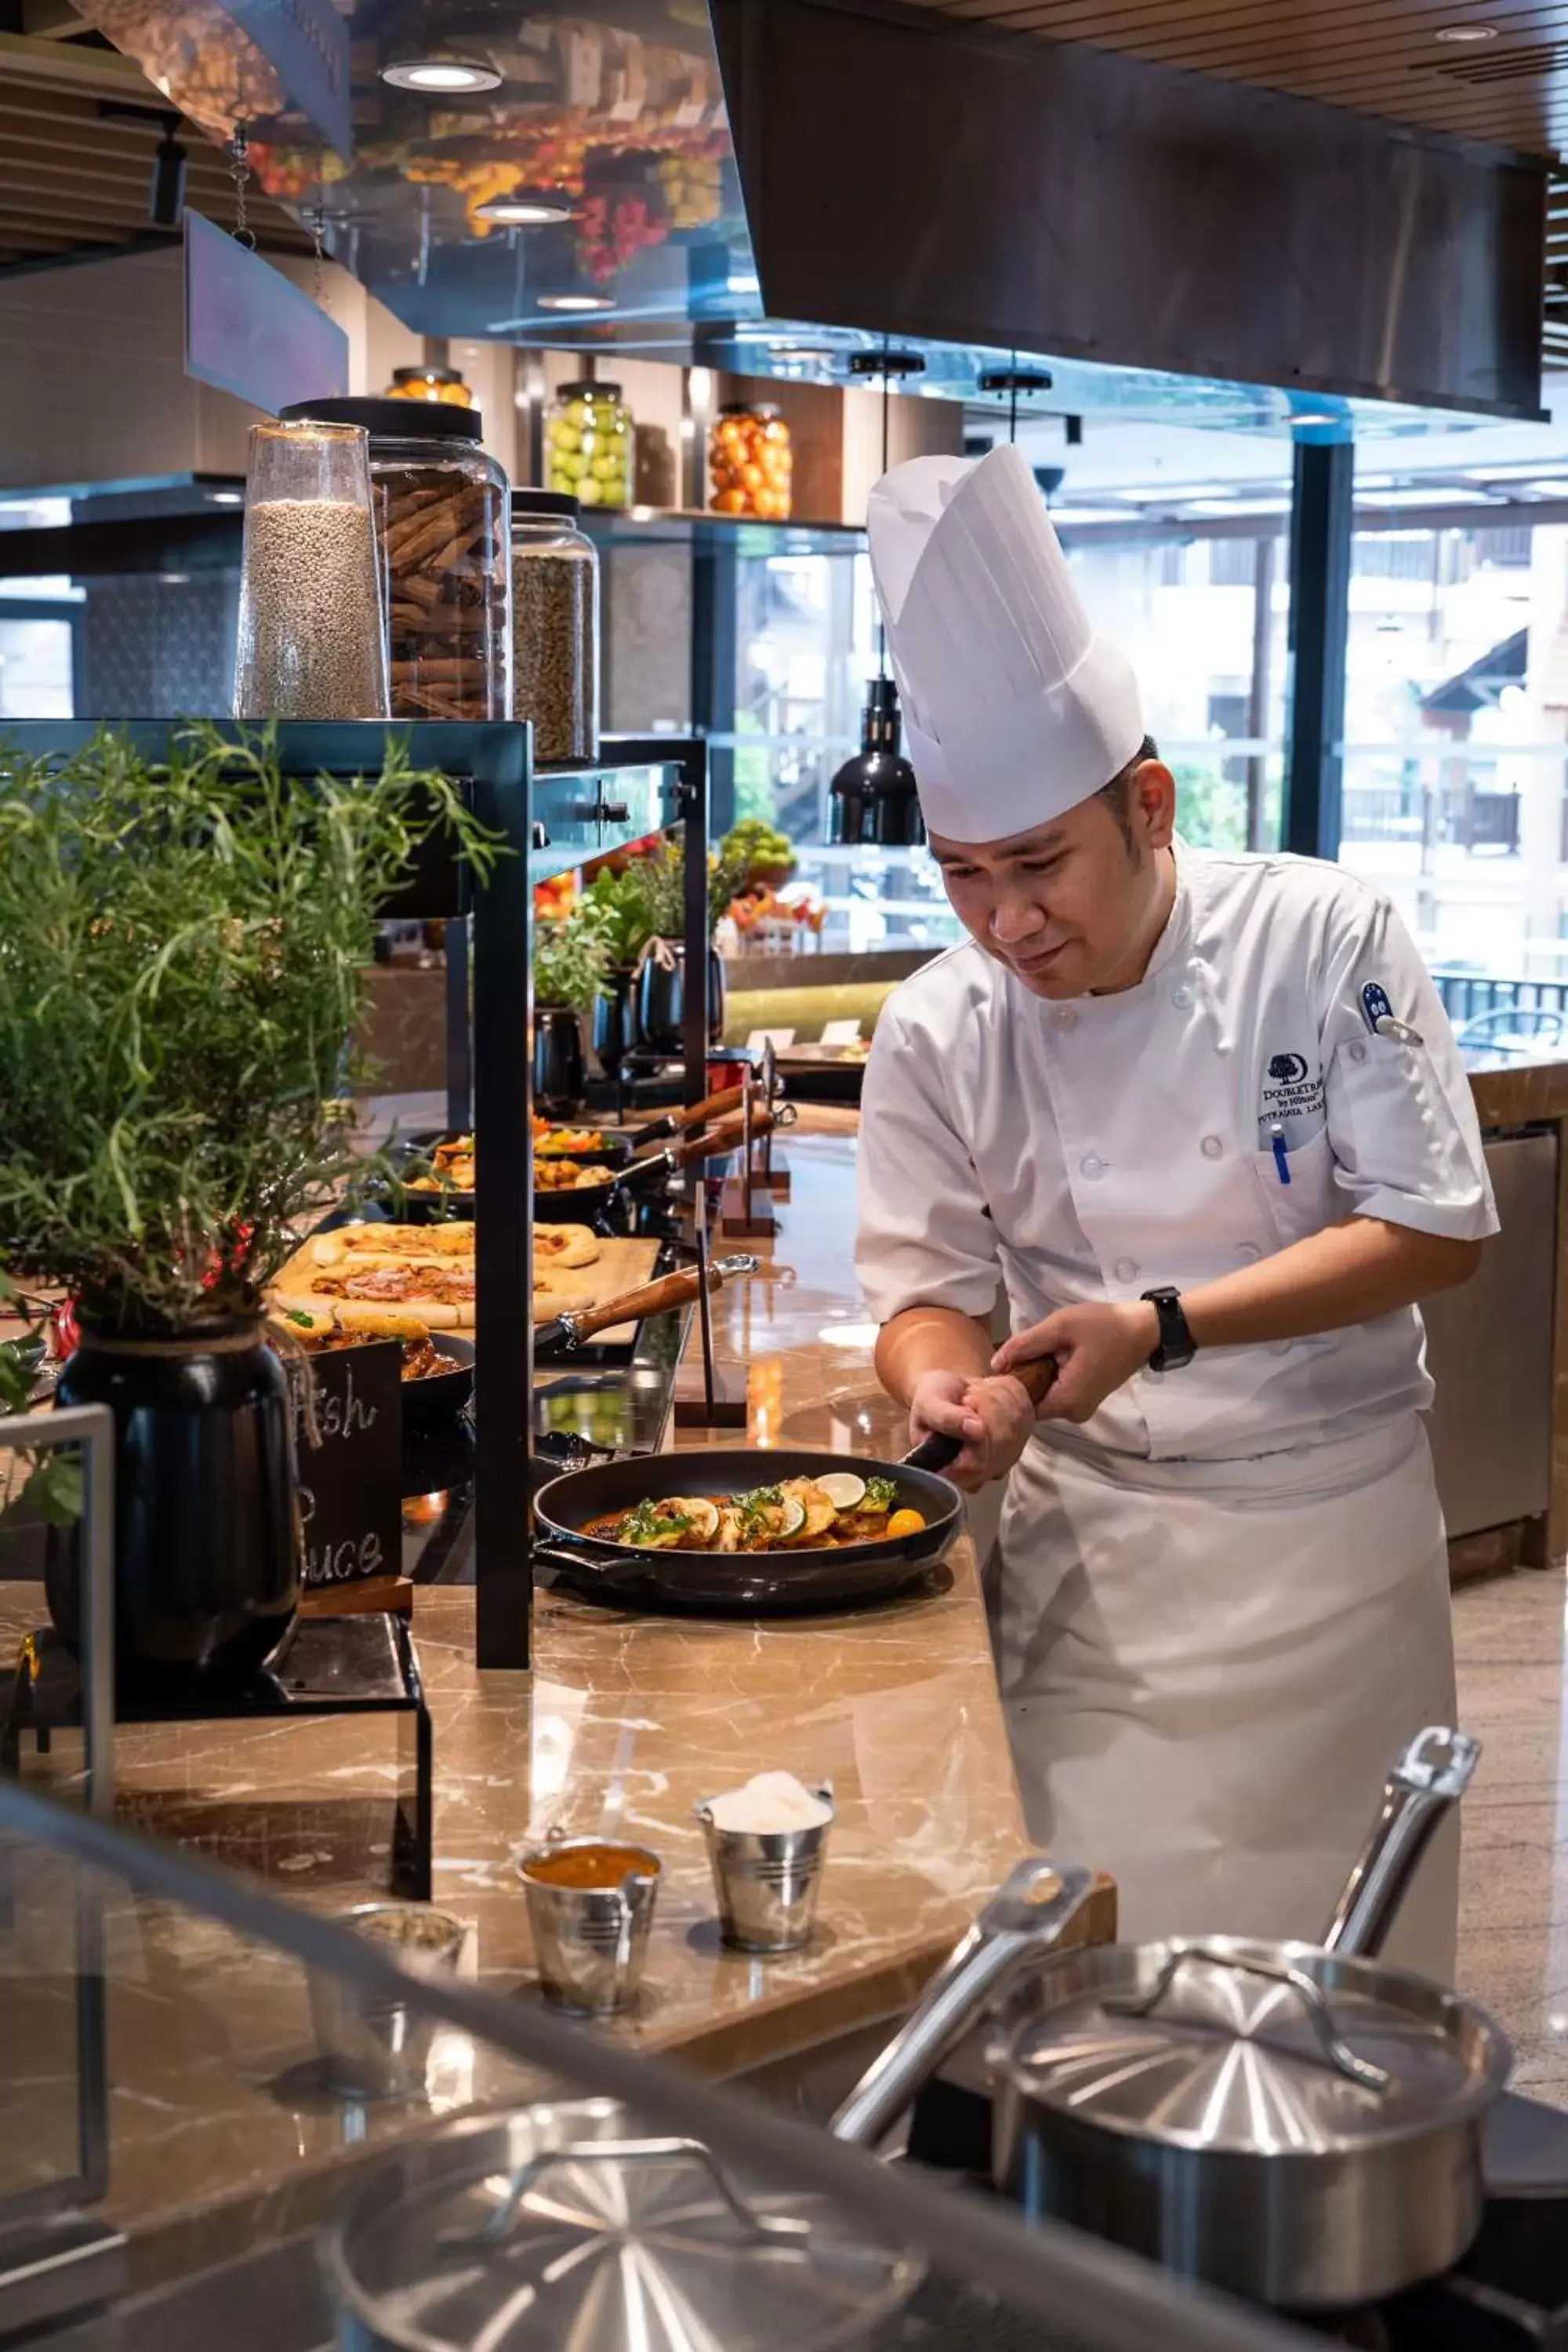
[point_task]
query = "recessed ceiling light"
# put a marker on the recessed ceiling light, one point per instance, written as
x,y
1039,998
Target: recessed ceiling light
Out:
x,y
1466,32
576,302
525,208
440,77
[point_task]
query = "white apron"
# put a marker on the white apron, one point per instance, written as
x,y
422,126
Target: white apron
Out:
x,y
1207,1670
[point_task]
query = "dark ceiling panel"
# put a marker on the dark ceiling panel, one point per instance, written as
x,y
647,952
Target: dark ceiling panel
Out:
x,y
1379,58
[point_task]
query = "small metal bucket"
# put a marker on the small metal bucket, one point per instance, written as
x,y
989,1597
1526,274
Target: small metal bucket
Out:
x,y
590,1942
766,1882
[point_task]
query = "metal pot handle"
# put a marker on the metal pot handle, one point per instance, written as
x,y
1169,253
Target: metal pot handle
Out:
x,y
771,2228
1332,2044
1432,1775
1019,1924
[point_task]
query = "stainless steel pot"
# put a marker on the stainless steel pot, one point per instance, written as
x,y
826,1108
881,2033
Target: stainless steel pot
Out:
x,y
554,2225
1294,2123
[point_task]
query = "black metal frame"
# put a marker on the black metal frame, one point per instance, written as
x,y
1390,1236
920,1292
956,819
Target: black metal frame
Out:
x,y
1321,527
549,821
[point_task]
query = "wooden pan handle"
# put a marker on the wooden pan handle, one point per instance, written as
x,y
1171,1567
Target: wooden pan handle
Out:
x,y
679,1122
721,1140
655,1297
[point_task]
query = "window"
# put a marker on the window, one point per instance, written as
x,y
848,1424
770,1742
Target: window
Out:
x,y
1454,748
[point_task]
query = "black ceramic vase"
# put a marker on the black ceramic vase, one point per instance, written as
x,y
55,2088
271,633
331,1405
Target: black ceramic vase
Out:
x,y
660,1001
560,1068
206,1537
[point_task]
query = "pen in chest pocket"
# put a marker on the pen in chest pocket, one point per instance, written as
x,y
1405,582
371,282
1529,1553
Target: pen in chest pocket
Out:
x,y
1281,1158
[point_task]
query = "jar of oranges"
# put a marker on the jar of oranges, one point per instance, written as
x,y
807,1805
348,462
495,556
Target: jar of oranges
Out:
x,y
590,445
750,461
444,385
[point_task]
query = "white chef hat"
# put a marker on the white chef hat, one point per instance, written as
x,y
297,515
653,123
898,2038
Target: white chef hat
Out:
x,y
1015,709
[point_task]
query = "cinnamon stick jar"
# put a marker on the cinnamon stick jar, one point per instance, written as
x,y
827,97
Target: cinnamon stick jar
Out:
x,y
443,514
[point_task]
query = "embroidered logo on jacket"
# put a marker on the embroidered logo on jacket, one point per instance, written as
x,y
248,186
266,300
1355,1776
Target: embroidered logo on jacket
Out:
x,y
1293,1089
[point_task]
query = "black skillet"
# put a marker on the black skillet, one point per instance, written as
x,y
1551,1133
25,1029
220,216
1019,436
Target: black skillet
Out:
x,y
581,1205
749,1584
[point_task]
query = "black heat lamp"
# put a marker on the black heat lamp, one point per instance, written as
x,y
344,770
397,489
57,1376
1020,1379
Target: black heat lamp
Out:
x,y
166,197
873,795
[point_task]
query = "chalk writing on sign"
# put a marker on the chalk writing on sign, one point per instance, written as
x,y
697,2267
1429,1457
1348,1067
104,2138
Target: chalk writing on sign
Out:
x,y
351,1484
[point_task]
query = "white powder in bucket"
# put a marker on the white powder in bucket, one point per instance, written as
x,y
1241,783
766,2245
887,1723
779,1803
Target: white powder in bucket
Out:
x,y
769,1804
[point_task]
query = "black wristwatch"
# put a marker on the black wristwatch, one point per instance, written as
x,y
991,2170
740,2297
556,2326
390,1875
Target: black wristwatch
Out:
x,y
1177,1346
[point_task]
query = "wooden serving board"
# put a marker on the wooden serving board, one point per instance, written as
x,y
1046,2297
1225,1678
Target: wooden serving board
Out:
x,y
624,1261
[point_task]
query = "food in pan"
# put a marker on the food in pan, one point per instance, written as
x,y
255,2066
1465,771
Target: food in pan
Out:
x,y
555,1142
804,1514
324,1332
451,1167
567,1176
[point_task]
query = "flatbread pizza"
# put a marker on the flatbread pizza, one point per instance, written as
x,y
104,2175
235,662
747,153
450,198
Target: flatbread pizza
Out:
x,y
441,1297
564,1246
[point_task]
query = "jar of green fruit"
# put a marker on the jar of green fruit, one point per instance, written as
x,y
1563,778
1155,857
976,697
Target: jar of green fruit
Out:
x,y
589,444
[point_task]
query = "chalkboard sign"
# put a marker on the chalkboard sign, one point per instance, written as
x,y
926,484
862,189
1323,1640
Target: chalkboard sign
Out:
x,y
351,1484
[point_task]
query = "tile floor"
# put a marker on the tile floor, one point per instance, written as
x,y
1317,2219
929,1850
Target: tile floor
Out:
x,y
1513,1904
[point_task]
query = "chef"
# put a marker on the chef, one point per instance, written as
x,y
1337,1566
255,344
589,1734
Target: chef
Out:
x,y
1191,1123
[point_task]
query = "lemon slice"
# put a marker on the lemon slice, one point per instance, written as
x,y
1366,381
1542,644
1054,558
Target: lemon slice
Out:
x,y
700,1516
792,1516
843,1489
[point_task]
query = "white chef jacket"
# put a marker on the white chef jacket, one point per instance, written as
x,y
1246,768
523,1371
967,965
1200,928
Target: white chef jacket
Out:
x,y
1091,1149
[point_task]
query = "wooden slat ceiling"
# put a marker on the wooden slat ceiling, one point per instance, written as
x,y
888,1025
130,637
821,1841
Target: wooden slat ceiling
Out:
x,y
1378,56
74,177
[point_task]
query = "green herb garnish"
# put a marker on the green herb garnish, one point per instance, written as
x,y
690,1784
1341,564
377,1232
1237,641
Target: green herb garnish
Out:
x,y
650,1523
881,1495
759,1502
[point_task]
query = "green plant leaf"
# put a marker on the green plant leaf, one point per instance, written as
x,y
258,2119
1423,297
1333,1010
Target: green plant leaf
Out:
x,y
183,955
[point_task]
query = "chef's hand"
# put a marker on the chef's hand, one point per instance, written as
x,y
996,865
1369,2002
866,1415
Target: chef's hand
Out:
x,y
992,1416
1096,1349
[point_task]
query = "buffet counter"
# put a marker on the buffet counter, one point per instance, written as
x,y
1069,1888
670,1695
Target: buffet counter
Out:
x,y
624,1724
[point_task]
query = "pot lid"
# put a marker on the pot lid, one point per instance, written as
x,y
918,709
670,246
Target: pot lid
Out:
x,y
1262,2049
556,2224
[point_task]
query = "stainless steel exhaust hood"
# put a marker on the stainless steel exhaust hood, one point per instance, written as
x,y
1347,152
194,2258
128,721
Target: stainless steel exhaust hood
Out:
x,y
765,185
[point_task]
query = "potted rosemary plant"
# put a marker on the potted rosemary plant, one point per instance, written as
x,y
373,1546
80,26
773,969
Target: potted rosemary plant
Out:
x,y
660,988
571,958
182,955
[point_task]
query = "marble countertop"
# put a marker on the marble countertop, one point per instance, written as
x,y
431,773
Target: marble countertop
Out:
x,y
624,1723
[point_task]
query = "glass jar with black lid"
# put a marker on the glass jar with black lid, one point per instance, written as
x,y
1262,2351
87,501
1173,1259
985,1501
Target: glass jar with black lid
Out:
x,y
443,514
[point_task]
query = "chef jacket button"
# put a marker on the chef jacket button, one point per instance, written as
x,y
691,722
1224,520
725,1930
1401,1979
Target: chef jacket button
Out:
x,y
1211,1147
1358,1051
1064,1017
1091,1166
1249,1250
1180,998
1280,1347
1125,1269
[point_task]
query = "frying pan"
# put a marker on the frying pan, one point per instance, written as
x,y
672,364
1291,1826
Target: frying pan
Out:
x,y
441,1395
680,1122
581,1207
655,1167
749,1584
